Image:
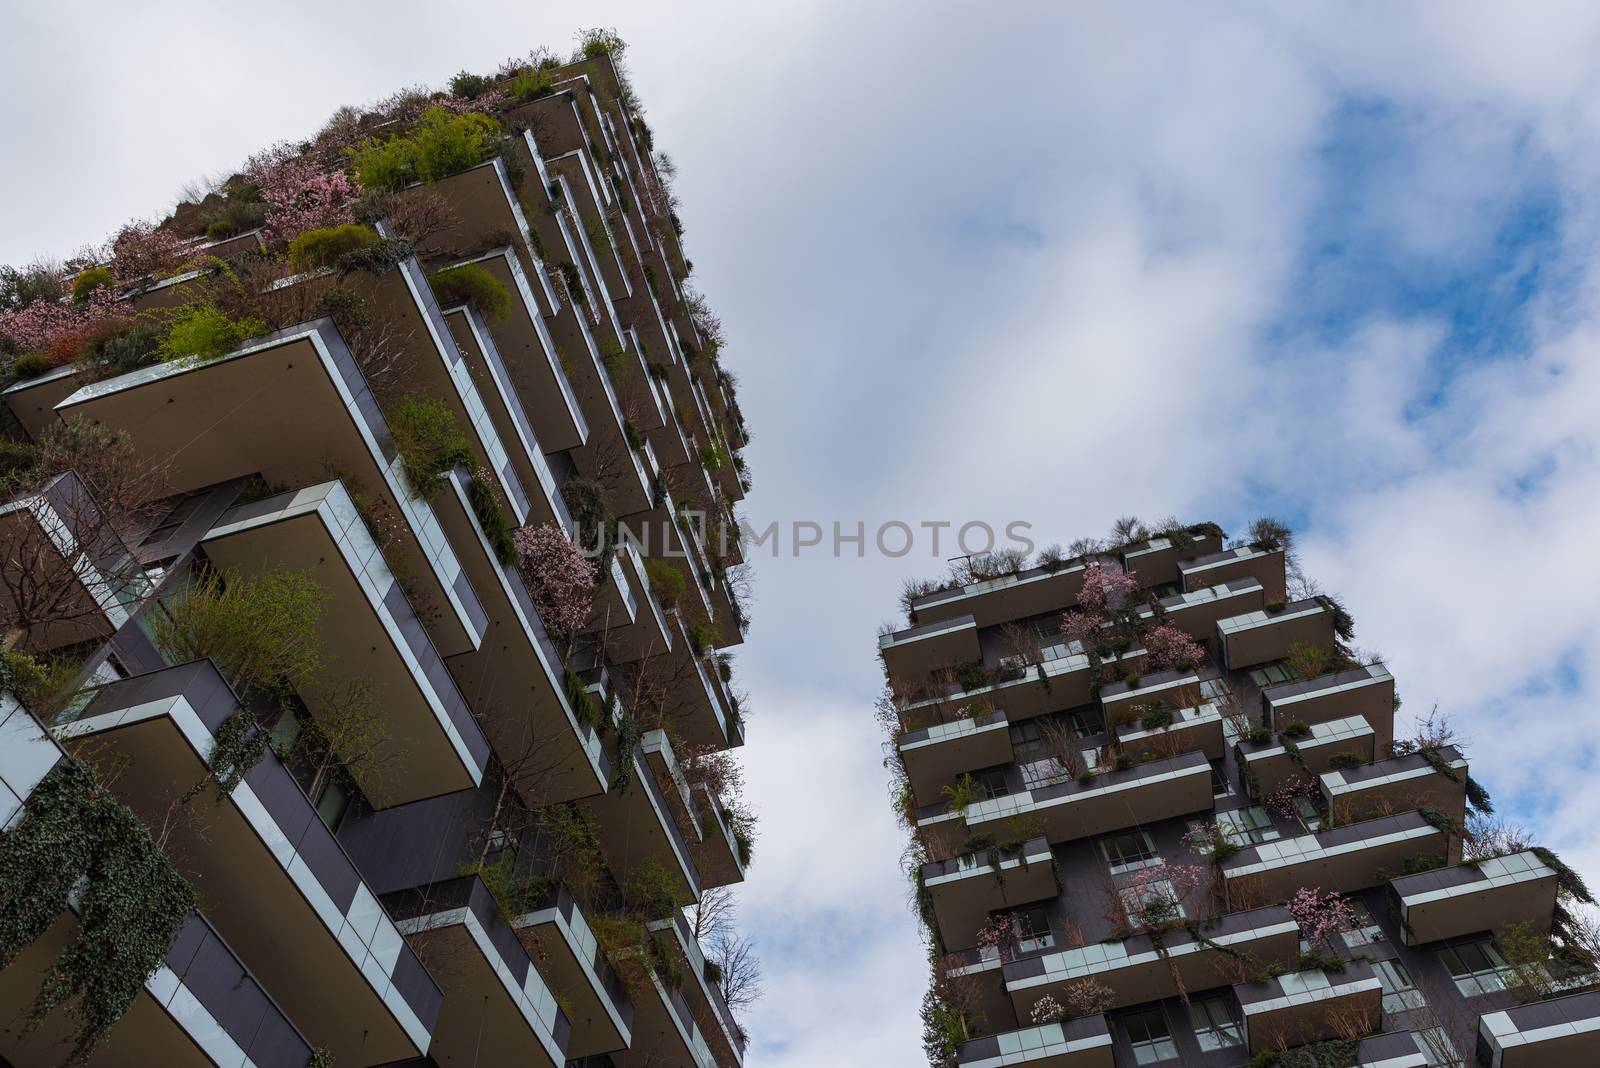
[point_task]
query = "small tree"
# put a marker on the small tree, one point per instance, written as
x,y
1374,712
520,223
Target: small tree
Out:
x,y
1168,647
560,579
1321,916
1105,586
261,630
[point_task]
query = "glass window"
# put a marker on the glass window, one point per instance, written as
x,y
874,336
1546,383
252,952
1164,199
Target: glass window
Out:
x,y
1475,966
1274,674
991,783
1032,927
1129,852
1310,816
1220,786
1025,740
1154,901
1400,994
1365,931
1084,723
1039,773
1149,1036
1246,826
1214,689
332,799
1216,1024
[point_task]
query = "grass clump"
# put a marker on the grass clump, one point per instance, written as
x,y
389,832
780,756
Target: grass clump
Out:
x,y
88,280
442,144
472,282
430,441
205,332
325,247
531,85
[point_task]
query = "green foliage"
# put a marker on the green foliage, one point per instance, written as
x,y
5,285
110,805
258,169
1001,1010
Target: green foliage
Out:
x,y
320,1058
88,280
472,282
1343,625
1159,715
712,456
632,435
131,904
1568,881
515,893
128,350
654,891
1296,728
619,367
261,630
492,517
1269,534
574,280
703,637
964,793
442,144
312,249
970,675
1478,797
627,739
1306,661
19,461
1340,761
585,705
600,41
204,332
380,257
239,746
667,580
469,86
429,439
242,212
31,365
597,526
532,84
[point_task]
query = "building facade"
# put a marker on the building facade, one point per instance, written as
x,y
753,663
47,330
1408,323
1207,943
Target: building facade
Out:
x,y
1160,814
371,563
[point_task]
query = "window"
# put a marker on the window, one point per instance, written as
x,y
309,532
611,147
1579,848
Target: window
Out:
x,y
1475,966
991,783
1365,931
1274,674
1214,689
1032,927
1216,1024
175,518
332,800
1310,816
1129,852
1152,902
1400,994
1220,786
1246,826
1025,740
1149,1036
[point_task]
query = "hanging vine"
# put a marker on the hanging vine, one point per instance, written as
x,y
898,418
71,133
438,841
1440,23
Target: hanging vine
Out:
x,y
130,903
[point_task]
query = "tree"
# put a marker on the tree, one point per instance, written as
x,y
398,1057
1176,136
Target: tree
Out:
x,y
261,630
1321,916
1168,647
560,579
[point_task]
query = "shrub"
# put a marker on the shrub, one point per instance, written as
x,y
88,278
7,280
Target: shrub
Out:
x,y
31,365
1305,660
441,145
600,41
429,440
472,282
324,247
243,212
297,195
468,86
88,280
1159,715
127,350
666,579
574,280
262,630
1346,760
492,517
380,257
1296,728
531,85
205,332
712,456
654,891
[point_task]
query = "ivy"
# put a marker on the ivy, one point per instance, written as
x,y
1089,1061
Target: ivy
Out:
x,y
239,746
1566,879
627,740
131,903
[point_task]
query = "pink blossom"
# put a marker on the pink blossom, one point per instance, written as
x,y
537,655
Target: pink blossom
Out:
x,y
300,195
43,323
1321,916
998,936
560,579
1168,647
1083,627
1105,586
141,250
1284,800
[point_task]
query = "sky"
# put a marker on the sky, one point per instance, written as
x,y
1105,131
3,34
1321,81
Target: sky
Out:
x,y
1050,263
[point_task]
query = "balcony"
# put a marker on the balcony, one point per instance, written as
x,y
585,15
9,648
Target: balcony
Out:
x,y
649,632
287,406
33,401
665,1032
1193,728
719,856
702,708
710,1011
1156,561
1261,635
1137,972
1197,613
525,453
969,887
530,364
368,630
1174,688
1398,784
27,753
1467,898
1084,1042
601,1014
1362,691
1110,801
276,883
65,562
518,680
937,755
1558,1033
1268,765
498,1008
200,1008
1247,561
1300,1007
916,652
1032,591
1064,679
637,822
1345,859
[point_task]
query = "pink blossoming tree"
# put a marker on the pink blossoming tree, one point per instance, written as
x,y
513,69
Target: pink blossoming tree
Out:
x,y
560,579
1167,647
143,250
43,323
300,195
998,937
1105,586
1321,916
